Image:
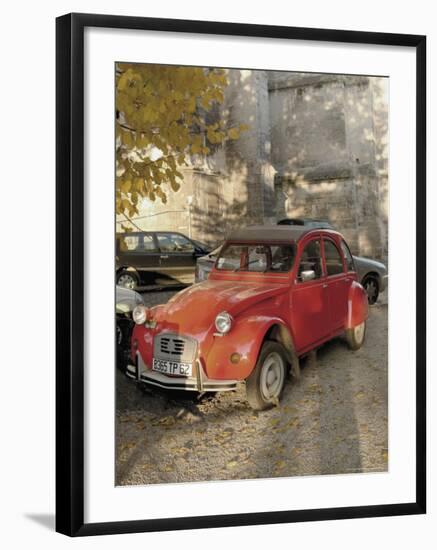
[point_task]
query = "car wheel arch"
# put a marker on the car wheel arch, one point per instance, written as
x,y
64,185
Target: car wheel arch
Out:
x,y
373,274
280,333
247,338
358,308
127,268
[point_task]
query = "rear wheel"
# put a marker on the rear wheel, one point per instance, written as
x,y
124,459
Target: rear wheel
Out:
x,y
355,336
265,384
127,279
371,286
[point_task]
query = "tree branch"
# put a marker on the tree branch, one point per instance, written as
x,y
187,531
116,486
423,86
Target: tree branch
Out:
x,y
130,221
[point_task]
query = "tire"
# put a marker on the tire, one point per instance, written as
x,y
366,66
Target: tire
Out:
x,y
265,384
371,286
127,279
355,336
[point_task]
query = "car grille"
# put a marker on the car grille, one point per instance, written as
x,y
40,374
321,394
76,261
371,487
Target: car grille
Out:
x,y
174,347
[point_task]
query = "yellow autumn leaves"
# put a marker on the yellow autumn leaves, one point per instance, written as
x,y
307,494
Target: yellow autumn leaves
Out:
x,y
164,114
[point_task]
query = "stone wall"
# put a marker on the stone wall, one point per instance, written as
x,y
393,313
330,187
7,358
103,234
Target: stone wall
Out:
x,y
316,147
327,134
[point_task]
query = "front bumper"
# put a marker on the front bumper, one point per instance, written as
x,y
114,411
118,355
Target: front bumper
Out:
x,y
199,383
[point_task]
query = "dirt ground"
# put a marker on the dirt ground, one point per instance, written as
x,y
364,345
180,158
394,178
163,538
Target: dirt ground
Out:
x,y
332,421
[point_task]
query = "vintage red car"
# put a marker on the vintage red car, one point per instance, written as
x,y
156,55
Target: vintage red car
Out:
x,y
274,294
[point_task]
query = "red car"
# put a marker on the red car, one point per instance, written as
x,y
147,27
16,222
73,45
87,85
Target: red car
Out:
x,y
274,294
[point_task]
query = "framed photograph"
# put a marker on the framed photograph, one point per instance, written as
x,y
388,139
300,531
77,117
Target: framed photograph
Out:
x,y
240,274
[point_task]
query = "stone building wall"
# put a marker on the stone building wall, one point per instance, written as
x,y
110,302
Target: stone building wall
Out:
x,y
316,147
326,152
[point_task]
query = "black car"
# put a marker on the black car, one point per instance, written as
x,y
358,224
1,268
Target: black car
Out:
x,y
162,258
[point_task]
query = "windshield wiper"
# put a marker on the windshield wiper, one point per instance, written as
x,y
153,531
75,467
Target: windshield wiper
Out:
x,y
248,263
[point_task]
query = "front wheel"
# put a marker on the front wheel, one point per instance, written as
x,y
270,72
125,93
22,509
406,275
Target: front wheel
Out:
x,y
355,336
265,384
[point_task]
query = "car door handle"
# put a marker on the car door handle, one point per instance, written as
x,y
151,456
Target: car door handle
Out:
x,y
163,257
325,285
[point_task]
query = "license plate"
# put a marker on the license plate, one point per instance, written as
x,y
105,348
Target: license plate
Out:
x,y
172,367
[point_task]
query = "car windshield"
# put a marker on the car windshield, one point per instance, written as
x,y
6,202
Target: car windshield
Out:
x,y
257,258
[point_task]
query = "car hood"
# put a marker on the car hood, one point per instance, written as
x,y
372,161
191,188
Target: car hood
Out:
x,y
194,310
126,299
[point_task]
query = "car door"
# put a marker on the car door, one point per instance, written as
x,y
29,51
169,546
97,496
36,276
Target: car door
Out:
x,y
177,258
140,251
309,299
129,248
149,262
338,283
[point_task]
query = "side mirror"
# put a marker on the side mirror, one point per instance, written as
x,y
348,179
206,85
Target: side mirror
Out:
x,y
307,275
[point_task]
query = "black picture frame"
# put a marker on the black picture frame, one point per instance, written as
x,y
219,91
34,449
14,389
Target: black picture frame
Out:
x,y
70,273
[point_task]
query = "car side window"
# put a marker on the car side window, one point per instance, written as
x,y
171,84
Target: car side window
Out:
x,y
172,242
348,256
136,243
311,259
333,259
130,243
149,243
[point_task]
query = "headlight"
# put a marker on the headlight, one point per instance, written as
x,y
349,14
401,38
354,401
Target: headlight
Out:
x,y
139,314
223,322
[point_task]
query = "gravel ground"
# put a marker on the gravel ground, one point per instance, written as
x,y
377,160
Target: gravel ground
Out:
x,y
332,421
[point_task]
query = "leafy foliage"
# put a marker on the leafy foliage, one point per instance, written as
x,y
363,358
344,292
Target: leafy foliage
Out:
x,y
163,115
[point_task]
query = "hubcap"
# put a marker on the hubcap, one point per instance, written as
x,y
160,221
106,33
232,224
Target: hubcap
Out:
x,y
359,332
272,376
126,281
